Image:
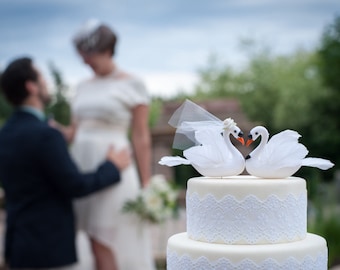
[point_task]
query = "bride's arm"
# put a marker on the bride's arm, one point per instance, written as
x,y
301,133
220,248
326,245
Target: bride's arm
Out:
x,y
67,131
141,141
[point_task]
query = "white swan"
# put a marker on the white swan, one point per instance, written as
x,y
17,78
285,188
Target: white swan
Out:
x,y
215,155
281,157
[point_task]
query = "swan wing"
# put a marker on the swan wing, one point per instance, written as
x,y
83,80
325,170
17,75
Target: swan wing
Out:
x,y
173,161
320,163
216,141
210,136
286,135
203,156
284,150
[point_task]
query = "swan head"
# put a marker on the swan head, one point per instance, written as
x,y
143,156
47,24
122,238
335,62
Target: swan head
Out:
x,y
230,127
255,133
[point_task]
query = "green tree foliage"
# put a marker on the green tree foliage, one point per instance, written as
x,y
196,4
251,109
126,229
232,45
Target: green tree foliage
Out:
x,y
5,108
154,111
60,107
283,91
276,91
330,55
329,105
216,80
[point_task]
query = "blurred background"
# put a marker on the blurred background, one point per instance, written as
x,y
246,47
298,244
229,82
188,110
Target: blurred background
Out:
x,y
260,62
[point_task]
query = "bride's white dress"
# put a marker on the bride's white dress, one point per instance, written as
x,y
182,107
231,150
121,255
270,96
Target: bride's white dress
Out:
x,y
102,109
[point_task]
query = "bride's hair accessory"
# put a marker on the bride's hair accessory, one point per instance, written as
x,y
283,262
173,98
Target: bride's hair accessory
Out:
x,y
94,37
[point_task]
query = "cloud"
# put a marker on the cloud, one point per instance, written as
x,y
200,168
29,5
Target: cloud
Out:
x,y
161,39
169,84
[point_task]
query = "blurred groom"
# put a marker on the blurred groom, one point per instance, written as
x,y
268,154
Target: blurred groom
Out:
x,y
39,178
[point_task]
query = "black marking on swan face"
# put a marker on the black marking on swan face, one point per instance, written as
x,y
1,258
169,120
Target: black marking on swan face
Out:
x,y
248,157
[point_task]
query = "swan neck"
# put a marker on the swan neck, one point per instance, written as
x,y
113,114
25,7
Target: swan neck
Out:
x,y
227,140
263,142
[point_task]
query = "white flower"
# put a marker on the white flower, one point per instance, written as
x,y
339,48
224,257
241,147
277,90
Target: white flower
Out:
x,y
228,124
159,183
152,201
155,203
171,196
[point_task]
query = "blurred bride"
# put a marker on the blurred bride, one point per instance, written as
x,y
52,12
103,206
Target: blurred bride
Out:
x,y
111,108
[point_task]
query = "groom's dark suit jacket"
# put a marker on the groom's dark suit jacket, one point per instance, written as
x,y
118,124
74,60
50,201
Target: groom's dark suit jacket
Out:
x,y
40,180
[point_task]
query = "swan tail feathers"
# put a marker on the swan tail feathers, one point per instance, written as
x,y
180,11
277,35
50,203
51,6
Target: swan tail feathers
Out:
x,y
320,163
173,161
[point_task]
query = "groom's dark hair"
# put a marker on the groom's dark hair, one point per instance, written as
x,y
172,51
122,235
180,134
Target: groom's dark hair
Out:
x,y
14,78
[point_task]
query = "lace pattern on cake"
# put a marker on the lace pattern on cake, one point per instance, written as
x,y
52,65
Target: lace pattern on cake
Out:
x,y
175,262
250,221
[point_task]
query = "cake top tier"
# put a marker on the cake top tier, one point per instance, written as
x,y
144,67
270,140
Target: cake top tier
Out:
x,y
244,185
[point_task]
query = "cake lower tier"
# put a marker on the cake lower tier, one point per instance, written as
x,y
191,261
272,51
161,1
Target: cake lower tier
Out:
x,y
185,254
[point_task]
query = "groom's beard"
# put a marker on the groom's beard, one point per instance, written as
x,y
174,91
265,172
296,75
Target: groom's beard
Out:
x,y
44,96
45,99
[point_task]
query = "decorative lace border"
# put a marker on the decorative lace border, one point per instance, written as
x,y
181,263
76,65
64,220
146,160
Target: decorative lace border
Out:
x,y
250,221
176,262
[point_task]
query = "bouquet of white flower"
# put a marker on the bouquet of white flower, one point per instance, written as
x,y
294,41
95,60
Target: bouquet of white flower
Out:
x,y
155,203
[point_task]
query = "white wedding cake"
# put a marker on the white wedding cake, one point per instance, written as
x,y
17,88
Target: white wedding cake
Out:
x,y
245,222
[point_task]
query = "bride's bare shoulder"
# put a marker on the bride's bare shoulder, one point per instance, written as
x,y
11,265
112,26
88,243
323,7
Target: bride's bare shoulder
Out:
x,y
122,75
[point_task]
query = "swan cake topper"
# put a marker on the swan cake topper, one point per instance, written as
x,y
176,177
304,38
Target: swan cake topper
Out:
x,y
205,141
281,156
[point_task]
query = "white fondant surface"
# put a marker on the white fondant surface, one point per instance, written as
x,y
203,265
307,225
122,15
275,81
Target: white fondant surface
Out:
x,y
246,210
244,185
307,254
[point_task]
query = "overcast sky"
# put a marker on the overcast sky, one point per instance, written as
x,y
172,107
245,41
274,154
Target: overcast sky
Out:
x,y
164,42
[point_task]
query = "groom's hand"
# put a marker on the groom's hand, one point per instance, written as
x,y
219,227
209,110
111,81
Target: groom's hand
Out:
x,y
67,131
121,158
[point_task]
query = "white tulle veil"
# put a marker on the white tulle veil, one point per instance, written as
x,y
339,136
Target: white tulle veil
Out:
x,y
187,119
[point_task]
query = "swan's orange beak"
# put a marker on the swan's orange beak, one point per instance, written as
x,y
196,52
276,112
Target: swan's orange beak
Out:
x,y
241,140
249,142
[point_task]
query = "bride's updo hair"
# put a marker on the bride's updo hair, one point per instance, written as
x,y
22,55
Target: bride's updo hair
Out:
x,y
95,37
